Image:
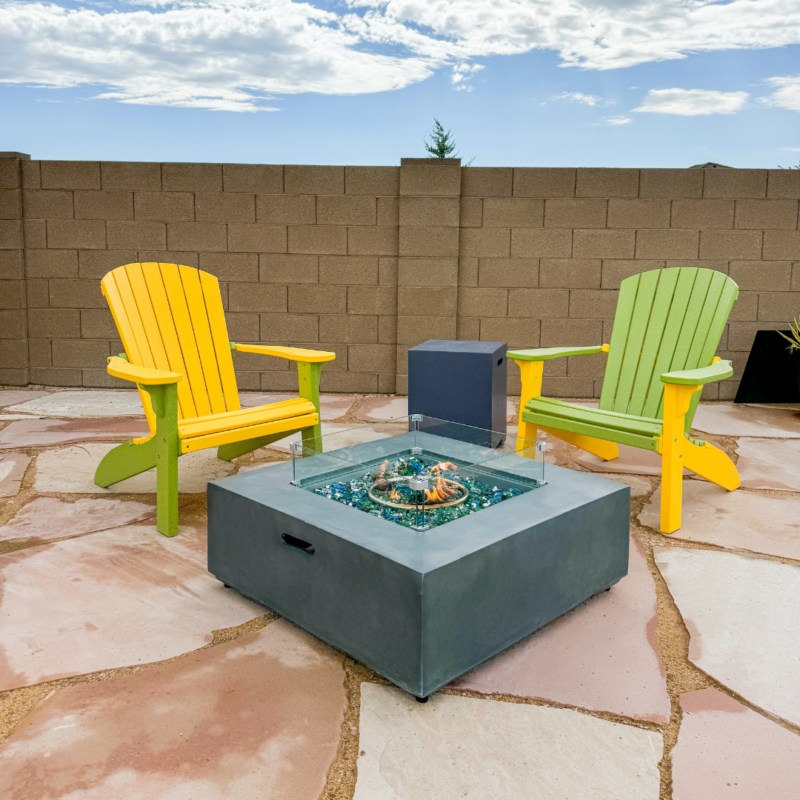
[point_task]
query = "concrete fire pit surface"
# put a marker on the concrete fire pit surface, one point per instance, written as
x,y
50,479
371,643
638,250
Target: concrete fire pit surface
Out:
x,y
421,608
678,684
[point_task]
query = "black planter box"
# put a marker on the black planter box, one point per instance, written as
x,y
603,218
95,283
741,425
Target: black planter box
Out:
x,y
772,372
420,608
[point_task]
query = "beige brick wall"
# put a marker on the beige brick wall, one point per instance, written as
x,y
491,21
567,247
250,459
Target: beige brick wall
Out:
x,y
544,251
368,261
14,353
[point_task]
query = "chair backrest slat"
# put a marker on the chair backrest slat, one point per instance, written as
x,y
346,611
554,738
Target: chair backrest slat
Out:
x,y
171,317
202,336
169,337
677,336
183,327
666,320
653,338
219,335
629,350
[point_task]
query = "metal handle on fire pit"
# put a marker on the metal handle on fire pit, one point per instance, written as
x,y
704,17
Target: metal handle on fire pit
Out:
x,y
298,544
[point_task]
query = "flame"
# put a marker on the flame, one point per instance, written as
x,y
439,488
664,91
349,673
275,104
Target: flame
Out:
x,y
443,466
442,489
394,496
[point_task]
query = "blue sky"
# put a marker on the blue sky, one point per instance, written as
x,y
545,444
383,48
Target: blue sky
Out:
x,y
628,83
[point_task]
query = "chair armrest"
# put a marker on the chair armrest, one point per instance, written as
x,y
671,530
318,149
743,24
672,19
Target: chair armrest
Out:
x,y
120,368
289,353
717,371
546,353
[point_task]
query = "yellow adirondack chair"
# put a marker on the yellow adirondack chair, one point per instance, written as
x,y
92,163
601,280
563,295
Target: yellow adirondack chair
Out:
x,y
666,330
172,325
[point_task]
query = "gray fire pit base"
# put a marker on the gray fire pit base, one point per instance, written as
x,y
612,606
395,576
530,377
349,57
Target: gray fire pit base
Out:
x,y
419,608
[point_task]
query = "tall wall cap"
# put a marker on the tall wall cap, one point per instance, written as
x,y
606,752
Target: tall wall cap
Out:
x,y
21,156
407,162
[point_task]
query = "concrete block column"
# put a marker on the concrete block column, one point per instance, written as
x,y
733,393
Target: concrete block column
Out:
x,y
14,362
427,273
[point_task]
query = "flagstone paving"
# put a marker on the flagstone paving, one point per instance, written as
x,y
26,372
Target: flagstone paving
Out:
x,y
336,435
726,750
742,617
251,467
737,520
555,453
50,518
258,717
640,485
455,747
727,419
43,432
112,599
12,471
601,655
84,404
9,397
631,461
379,409
769,463
71,470
102,590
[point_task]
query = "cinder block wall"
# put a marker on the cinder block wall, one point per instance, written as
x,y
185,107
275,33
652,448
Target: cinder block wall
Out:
x,y
368,261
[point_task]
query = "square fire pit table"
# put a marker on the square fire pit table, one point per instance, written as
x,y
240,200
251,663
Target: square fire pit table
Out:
x,y
419,555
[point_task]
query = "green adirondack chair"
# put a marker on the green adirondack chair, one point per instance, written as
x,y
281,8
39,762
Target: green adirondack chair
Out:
x,y
666,330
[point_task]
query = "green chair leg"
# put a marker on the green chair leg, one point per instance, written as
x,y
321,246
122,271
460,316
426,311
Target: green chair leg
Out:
x,y
167,447
161,451
308,375
125,461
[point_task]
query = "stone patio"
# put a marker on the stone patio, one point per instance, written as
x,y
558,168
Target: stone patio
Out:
x,y
127,671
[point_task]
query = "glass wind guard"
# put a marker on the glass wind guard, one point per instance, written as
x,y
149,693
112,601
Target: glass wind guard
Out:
x,y
418,471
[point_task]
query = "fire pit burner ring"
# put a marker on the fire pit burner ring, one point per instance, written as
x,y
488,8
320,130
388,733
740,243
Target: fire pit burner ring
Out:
x,y
448,482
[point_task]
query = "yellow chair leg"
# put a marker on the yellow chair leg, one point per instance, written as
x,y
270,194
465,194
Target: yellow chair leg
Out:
x,y
531,374
673,444
597,447
713,464
526,436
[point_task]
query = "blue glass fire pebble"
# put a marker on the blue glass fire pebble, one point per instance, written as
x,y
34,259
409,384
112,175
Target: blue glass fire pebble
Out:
x,y
355,493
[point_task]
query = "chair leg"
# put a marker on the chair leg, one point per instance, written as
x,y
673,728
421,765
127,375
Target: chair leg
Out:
x,y
526,434
165,404
125,461
308,375
713,464
673,447
671,489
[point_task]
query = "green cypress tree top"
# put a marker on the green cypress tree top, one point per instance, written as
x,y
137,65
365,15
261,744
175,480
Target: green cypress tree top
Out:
x,y
441,144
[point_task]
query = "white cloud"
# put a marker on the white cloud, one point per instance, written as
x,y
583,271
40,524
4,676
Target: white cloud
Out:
x,y
234,54
692,102
786,94
597,34
579,97
461,74
618,120
222,57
